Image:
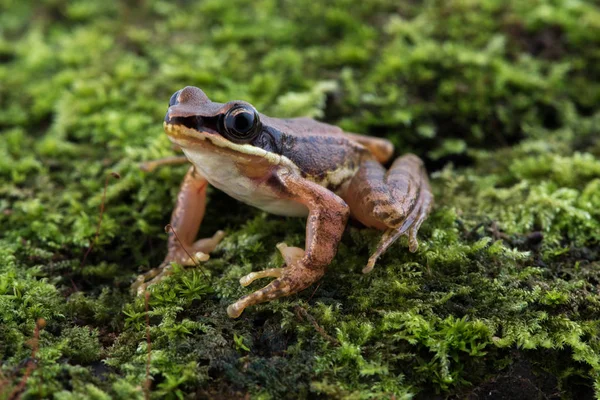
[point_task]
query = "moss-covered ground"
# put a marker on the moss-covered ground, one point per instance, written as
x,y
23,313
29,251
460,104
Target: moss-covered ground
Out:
x,y
501,300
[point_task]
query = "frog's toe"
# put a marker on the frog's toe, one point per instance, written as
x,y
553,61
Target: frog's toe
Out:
x,y
147,279
190,255
267,273
209,244
291,255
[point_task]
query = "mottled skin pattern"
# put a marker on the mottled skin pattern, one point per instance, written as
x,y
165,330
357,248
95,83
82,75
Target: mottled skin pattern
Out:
x,y
296,167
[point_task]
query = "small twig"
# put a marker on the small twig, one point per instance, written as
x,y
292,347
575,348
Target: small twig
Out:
x,y
313,293
496,233
4,382
149,347
150,166
89,250
302,313
168,228
32,363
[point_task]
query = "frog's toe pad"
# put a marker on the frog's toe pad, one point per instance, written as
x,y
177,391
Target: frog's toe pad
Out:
x,y
234,310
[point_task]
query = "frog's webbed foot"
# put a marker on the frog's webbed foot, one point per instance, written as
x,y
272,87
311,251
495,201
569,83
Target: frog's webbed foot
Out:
x,y
291,278
188,256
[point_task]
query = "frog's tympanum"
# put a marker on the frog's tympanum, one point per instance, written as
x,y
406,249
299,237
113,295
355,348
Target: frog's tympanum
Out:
x,y
293,167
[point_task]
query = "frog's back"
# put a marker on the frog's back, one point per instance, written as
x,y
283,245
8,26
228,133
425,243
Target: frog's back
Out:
x,y
322,153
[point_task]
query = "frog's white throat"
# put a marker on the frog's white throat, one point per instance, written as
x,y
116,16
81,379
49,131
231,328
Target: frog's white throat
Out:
x,y
221,171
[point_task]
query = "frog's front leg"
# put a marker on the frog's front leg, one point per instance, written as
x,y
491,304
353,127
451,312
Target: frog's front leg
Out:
x,y
185,222
327,217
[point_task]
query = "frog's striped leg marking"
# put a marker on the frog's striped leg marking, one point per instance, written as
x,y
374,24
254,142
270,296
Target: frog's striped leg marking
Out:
x,y
185,220
396,201
327,219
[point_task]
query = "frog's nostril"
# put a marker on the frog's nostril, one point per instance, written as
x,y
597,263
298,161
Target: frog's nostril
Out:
x,y
173,99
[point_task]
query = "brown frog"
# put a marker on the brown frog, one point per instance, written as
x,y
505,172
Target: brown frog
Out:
x,y
293,167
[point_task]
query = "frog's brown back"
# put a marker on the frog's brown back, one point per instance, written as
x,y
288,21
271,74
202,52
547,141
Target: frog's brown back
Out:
x,y
321,151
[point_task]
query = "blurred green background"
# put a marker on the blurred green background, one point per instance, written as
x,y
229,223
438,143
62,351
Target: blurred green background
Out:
x,y
500,98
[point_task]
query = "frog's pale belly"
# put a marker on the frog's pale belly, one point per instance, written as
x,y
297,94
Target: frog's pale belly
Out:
x,y
221,172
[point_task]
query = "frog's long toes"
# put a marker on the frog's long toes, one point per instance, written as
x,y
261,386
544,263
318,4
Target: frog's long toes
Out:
x,y
267,273
389,237
291,256
207,245
149,278
413,243
370,264
280,287
218,236
290,280
139,285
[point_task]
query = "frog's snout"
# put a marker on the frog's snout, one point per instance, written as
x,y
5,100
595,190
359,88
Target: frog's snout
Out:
x,y
191,108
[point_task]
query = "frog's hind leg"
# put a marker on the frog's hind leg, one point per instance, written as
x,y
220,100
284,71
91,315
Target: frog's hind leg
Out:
x,y
396,201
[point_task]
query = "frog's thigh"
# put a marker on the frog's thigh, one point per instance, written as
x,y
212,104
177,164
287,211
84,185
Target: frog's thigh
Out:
x,y
327,219
381,149
396,201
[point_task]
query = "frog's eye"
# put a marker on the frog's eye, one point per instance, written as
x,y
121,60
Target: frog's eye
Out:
x,y
173,99
241,124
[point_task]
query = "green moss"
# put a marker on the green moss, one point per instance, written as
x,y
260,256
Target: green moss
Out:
x,y
499,97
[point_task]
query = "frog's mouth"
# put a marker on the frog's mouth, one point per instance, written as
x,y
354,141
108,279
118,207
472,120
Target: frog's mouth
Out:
x,y
194,122
193,131
182,124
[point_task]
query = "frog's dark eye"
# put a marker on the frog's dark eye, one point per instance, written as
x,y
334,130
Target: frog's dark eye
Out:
x,y
241,124
173,99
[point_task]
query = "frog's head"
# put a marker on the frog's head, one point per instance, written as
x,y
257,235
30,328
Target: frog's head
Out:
x,y
194,121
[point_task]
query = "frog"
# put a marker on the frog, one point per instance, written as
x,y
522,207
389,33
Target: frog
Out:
x,y
294,167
